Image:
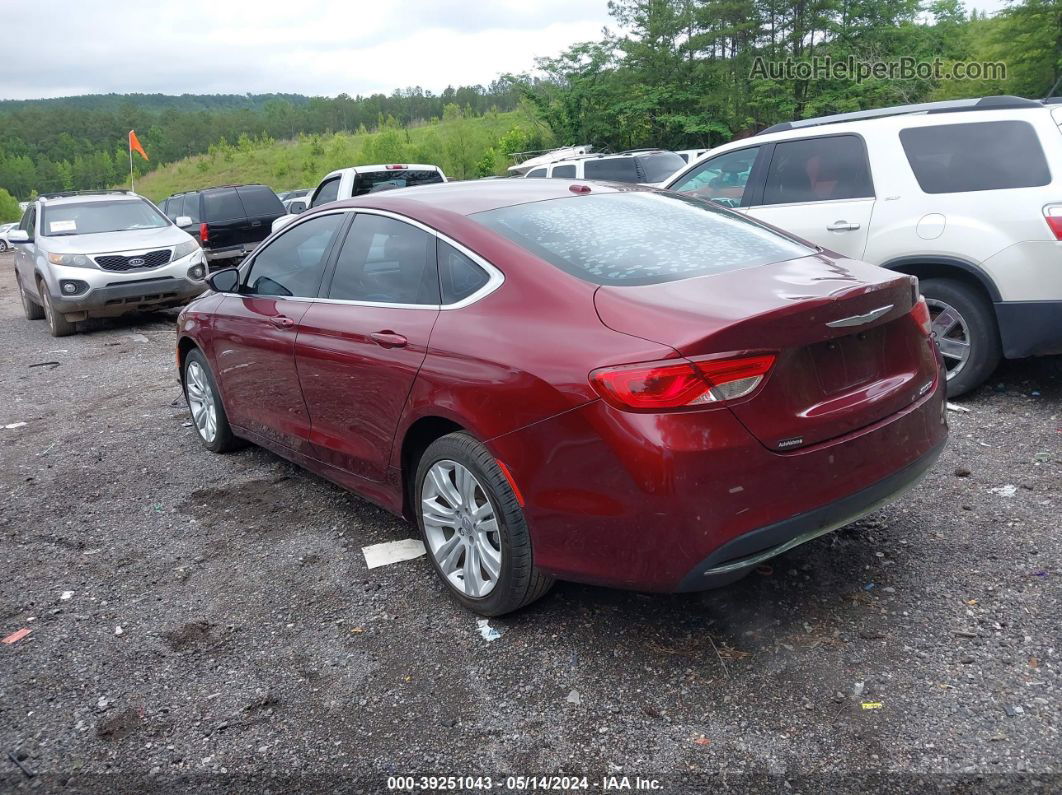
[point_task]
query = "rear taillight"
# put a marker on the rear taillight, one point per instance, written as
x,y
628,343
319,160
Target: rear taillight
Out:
x,y
204,233
683,383
1053,214
920,313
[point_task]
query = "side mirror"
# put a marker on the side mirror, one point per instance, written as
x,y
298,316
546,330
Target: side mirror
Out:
x,y
225,281
296,207
281,222
183,220
18,236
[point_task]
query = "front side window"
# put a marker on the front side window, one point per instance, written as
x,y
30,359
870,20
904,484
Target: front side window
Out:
x,y
641,237
87,218
818,169
386,261
722,178
292,265
955,158
329,192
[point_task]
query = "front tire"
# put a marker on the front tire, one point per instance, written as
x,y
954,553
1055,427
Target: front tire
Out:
x,y
204,401
31,309
474,528
965,329
58,325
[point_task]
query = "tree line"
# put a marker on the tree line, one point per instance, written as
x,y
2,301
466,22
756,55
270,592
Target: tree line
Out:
x,y
77,143
682,73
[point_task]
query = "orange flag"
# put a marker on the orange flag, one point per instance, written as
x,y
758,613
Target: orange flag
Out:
x,y
134,145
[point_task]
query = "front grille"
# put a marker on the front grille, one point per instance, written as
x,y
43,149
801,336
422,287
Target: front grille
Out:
x,y
134,262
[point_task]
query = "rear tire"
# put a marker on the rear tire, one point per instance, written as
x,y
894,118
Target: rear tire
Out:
x,y
30,308
518,582
58,325
209,419
975,325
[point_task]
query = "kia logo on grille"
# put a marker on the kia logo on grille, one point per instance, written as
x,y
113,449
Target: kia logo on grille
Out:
x,y
136,262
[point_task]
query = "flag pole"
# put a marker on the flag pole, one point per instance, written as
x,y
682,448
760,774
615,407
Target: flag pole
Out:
x,y
129,141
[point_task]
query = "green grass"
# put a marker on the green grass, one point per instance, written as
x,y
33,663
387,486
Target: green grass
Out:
x,y
463,147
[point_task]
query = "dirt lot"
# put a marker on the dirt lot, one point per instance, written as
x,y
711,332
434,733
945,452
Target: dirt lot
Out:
x,y
222,619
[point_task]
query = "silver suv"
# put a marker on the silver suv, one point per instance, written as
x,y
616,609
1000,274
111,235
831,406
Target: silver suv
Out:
x,y
101,254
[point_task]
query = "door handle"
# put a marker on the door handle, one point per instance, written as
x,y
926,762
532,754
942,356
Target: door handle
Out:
x,y
388,339
842,226
282,321
256,223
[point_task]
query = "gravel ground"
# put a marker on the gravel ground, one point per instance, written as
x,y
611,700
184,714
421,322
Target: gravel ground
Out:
x,y
221,618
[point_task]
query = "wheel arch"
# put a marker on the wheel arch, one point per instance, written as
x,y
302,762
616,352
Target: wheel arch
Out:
x,y
943,267
416,439
185,345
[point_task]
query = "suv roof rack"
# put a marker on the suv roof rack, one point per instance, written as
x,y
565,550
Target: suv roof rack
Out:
x,y
1002,102
216,187
69,193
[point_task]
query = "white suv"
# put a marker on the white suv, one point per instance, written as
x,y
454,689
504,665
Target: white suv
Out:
x,y
965,194
642,166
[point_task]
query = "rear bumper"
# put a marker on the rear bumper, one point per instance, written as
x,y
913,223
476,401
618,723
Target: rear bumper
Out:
x,y
742,553
1030,328
652,502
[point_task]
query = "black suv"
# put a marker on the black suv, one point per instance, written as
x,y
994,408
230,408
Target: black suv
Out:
x,y
229,221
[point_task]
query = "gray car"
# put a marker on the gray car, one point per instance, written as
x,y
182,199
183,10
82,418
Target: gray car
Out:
x,y
101,254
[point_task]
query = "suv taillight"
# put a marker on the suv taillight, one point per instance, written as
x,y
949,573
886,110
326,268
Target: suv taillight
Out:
x,y
680,383
1053,214
204,233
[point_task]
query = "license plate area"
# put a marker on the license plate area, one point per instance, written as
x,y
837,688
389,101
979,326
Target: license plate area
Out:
x,y
849,361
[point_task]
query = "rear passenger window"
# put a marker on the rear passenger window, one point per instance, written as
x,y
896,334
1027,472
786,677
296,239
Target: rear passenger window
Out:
x,y
615,169
992,155
259,201
222,205
818,169
564,172
459,276
329,192
387,262
536,172
292,265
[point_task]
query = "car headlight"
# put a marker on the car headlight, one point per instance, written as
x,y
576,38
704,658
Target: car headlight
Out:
x,y
71,260
184,249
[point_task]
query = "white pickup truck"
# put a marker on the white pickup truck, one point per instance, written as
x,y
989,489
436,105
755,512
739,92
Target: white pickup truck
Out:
x,y
357,180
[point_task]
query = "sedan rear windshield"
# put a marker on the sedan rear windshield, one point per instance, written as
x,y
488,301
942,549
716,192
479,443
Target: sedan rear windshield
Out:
x,y
87,218
370,181
640,237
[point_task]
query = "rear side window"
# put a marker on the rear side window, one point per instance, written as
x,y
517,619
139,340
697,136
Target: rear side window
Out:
x,y
259,201
370,181
536,172
329,192
222,205
459,276
639,237
992,155
659,166
615,169
292,265
818,169
386,261
564,172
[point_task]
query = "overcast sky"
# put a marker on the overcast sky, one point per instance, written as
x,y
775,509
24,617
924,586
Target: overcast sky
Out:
x,y
316,47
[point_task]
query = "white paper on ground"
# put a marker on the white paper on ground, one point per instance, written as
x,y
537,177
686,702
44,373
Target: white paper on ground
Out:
x,y
392,552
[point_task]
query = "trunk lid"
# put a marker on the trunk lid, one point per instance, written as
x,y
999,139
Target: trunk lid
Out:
x,y
848,351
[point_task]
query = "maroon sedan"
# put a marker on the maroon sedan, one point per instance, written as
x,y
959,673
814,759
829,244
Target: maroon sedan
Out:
x,y
590,382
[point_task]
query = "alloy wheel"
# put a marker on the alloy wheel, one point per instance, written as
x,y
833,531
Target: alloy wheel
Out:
x,y
952,334
201,401
3,246
461,527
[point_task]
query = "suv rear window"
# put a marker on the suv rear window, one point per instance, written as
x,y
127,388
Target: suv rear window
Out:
x,y
639,237
367,181
259,201
222,205
614,169
992,155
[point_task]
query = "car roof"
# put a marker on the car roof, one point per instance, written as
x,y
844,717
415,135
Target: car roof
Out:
x,y
466,198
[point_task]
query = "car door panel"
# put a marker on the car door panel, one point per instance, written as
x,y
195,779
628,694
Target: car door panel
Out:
x,y
359,348
840,226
